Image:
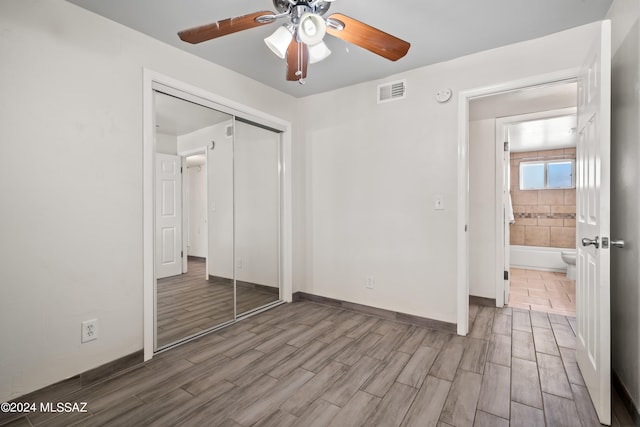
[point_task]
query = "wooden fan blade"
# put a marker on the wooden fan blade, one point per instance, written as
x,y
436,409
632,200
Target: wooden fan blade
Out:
x,y
369,38
297,60
222,28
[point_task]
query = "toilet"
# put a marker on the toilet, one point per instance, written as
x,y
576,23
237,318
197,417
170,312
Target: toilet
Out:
x,y
569,257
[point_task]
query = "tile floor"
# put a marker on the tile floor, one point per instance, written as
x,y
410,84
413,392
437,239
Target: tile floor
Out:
x,y
542,291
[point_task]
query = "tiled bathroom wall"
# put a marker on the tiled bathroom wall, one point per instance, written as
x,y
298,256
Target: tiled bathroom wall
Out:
x,y
543,217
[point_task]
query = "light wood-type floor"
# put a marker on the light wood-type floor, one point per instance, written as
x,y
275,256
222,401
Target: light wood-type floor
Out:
x,y
305,364
190,304
542,291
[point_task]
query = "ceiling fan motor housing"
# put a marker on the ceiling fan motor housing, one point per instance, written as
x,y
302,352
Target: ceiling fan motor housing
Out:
x,y
317,7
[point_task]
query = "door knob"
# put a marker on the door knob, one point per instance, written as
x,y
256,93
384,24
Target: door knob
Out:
x,y
594,242
618,243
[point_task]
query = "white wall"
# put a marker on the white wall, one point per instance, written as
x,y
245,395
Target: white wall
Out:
x,y
252,172
219,193
197,240
202,138
372,171
256,185
364,179
482,212
166,144
71,242
625,194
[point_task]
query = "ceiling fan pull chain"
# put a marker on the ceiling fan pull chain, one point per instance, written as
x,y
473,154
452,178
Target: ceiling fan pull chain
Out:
x,y
301,79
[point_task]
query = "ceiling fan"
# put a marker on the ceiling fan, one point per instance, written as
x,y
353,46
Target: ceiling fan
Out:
x,y
300,39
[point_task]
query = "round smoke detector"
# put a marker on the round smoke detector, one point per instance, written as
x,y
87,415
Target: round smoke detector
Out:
x,y
443,95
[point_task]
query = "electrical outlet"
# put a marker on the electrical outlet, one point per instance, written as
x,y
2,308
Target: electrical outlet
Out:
x,y
370,282
239,263
89,330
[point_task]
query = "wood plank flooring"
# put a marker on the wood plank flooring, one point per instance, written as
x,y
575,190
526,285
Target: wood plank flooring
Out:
x,y
305,364
189,304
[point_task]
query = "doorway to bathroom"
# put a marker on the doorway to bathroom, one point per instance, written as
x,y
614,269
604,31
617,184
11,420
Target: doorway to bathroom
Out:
x,y
530,136
540,203
593,156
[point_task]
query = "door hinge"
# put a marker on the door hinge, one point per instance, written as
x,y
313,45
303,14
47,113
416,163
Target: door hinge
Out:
x,y
506,146
181,169
506,275
181,254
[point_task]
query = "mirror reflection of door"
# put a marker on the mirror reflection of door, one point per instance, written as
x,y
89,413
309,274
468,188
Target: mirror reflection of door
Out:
x,y
257,216
187,302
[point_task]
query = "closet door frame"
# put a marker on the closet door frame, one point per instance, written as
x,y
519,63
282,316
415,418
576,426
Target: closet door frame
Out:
x,y
156,81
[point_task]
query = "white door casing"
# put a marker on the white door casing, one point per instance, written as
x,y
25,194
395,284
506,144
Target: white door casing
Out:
x,y
184,200
592,221
502,174
507,211
168,215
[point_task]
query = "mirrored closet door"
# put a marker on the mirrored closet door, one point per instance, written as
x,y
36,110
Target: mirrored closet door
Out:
x,y
257,216
217,218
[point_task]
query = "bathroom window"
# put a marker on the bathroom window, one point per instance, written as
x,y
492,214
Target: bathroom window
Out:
x,y
550,174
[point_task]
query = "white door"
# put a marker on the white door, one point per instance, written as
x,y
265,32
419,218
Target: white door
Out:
x,y
592,215
168,215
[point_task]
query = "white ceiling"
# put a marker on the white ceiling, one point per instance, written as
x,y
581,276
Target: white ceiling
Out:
x,y
524,101
196,160
438,30
553,132
544,134
177,117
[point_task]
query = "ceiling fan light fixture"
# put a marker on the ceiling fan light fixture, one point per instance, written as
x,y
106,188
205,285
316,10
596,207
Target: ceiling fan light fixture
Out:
x,y
311,29
318,52
300,40
279,41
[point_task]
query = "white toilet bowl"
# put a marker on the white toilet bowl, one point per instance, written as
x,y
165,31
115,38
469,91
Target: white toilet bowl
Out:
x,y
569,257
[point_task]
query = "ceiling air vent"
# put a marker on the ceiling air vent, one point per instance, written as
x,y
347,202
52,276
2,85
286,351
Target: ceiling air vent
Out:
x,y
393,91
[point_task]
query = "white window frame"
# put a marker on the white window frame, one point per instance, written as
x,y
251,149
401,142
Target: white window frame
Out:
x,y
546,174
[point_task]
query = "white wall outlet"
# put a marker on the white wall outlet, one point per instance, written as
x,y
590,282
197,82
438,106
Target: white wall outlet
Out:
x,y
370,282
239,263
89,330
438,203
